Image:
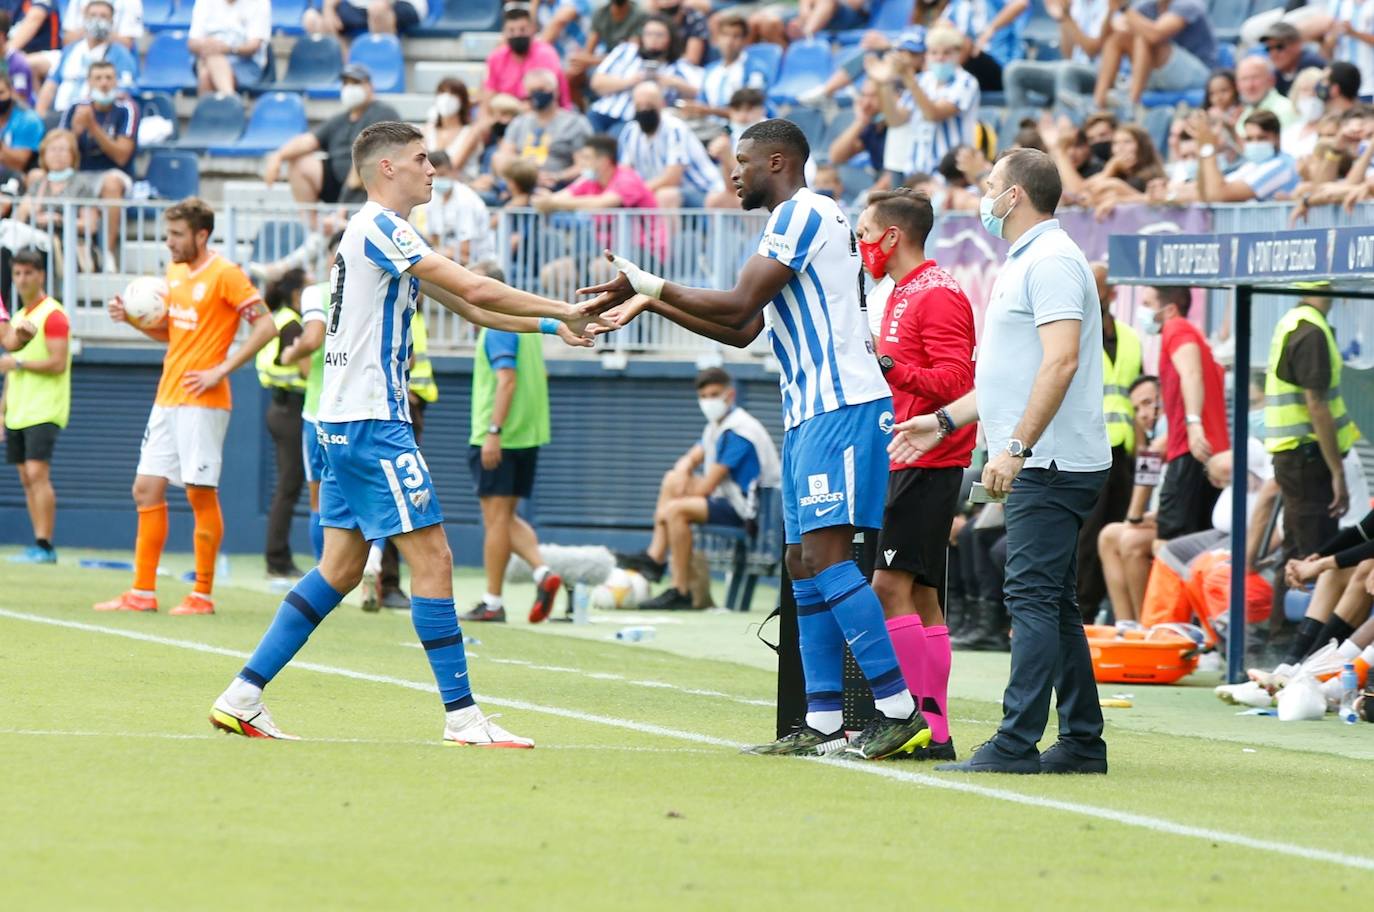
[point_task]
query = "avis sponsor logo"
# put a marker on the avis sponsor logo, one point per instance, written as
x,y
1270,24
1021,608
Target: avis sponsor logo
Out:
x,y
336,359
818,492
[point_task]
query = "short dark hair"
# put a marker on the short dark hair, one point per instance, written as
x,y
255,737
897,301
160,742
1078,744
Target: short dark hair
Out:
x,y
32,257
1346,77
603,145
439,159
1141,381
280,290
713,376
1105,117
732,20
384,135
101,65
1036,173
195,212
781,134
513,13
1180,296
1267,121
910,210
747,98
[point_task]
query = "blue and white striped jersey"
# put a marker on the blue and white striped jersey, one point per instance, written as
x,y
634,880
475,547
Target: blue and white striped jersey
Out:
x,y
816,325
1360,15
721,81
918,144
1278,175
367,338
625,61
673,143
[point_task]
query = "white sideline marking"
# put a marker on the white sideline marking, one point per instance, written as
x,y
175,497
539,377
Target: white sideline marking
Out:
x,y
953,784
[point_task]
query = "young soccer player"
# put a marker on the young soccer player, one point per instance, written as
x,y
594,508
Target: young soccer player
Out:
x,y
376,483
837,412
183,444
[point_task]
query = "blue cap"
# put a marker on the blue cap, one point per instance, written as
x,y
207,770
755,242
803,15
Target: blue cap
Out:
x,y
913,41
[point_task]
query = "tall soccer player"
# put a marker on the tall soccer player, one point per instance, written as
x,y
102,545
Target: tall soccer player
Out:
x,y
376,484
837,412
183,444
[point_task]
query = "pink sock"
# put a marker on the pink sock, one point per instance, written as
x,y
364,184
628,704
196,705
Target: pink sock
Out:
x,y
909,643
935,684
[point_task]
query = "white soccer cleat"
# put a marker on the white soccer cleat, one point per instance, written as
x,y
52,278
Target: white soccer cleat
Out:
x,y
254,722
471,728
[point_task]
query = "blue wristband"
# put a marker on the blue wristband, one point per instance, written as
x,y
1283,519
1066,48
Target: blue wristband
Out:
x,y
548,326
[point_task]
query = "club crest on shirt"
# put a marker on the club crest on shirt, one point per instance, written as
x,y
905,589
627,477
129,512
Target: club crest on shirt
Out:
x,y
198,292
420,498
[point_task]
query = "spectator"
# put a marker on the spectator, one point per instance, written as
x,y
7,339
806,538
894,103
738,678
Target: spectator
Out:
x,y
128,24
1299,138
1124,547
522,179
456,221
346,18
1073,156
723,78
1169,43
450,121
21,130
520,53
1289,54
231,40
1266,173
827,182
928,114
850,65
630,65
993,29
615,24
746,108
1134,163
1340,91
1101,130
55,176
690,31
330,179
1180,188
285,385
547,134
21,77
1351,37
38,26
1223,98
735,456
866,133
1068,83
106,128
660,145
812,17
67,82
479,146
1255,81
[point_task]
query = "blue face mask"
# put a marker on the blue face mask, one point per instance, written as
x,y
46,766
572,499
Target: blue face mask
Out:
x,y
993,223
442,185
1257,152
943,70
1185,170
61,176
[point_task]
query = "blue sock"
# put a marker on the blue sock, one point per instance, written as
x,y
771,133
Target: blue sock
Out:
x,y
859,614
300,613
316,535
822,649
436,624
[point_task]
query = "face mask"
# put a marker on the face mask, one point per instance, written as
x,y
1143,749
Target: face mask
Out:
x,y
1255,421
713,409
5,106
498,130
652,53
1145,323
1185,170
1102,151
1258,152
943,70
875,257
103,96
442,185
61,176
446,105
541,100
669,11
993,223
1310,108
352,96
98,29
619,2
589,174
648,120
520,45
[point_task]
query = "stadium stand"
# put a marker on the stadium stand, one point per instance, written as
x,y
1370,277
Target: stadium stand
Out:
x,y
216,123
313,67
167,64
276,118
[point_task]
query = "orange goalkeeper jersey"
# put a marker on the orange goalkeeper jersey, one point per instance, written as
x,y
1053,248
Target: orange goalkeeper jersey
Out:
x,y
203,311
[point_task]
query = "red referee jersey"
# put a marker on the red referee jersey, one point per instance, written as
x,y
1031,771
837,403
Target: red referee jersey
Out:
x,y
928,333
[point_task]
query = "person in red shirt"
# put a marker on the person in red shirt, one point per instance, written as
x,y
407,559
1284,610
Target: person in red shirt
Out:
x,y
925,347
1194,396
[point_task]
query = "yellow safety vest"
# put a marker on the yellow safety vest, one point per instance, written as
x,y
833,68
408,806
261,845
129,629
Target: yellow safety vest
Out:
x,y
32,398
1287,424
1117,379
271,374
422,373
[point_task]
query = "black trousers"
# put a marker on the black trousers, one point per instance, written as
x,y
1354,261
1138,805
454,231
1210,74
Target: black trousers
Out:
x,y
390,577
284,424
1111,507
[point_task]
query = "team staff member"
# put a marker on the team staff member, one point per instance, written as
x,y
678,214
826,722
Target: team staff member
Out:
x,y
286,385
925,348
38,397
1038,392
183,444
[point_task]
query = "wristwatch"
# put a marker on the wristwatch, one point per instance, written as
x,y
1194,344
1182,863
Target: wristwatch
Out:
x,y
1207,151
1018,450
494,429
886,363
1192,419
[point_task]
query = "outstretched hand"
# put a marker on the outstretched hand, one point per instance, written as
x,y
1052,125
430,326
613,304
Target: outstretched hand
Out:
x,y
913,438
630,281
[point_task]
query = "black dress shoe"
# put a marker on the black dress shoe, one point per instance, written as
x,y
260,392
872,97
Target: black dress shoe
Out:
x,y
987,758
1061,758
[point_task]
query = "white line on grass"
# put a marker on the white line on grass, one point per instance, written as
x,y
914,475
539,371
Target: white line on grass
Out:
x,y
1125,818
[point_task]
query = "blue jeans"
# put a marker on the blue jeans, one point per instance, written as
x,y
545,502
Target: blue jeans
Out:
x,y
1049,650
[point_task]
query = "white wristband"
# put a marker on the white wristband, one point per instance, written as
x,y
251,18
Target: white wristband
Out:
x,y
642,281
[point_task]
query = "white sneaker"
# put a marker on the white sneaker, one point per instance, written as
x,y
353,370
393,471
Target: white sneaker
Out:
x,y
372,590
255,722
1247,693
470,728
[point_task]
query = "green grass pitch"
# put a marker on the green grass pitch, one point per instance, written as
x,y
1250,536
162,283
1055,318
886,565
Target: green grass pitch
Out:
x,y
116,794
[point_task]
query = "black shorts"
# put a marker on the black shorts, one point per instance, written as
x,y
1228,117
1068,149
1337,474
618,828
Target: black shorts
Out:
x,y
31,444
916,522
514,477
1186,499
355,20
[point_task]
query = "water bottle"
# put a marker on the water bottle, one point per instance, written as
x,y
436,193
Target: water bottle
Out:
x,y
581,603
222,567
1350,689
634,634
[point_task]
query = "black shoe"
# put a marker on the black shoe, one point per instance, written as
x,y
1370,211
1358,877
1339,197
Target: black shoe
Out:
x,y
936,750
983,632
884,737
396,600
1060,757
643,564
987,758
483,612
669,599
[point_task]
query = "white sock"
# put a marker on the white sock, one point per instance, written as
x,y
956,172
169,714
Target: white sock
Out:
x,y
491,601
462,718
1348,650
1368,655
898,706
540,572
825,721
242,694
374,559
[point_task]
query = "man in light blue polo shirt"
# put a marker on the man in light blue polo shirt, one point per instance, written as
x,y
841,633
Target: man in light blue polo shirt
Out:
x,y
1038,392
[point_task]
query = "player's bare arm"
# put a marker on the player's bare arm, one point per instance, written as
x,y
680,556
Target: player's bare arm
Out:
x,y
578,334
761,280
263,330
115,308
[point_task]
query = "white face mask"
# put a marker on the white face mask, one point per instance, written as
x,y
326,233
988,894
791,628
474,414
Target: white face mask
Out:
x,y
713,409
352,96
446,105
1310,108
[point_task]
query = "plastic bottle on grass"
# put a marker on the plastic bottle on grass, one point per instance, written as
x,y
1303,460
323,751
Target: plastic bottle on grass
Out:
x,y
634,634
1350,689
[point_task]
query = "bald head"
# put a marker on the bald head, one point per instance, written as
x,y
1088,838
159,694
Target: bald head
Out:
x,y
540,80
1254,79
646,96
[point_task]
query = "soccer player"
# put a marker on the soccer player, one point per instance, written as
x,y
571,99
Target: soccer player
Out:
x,y
183,444
376,483
837,413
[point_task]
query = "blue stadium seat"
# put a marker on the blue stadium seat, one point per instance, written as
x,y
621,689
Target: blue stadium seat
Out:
x,y
276,118
276,239
1226,55
806,65
744,554
173,174
286,15
453,17
381,54
314,67
217,121
167,65
890,15
838,124
1226,17
180,15
157,14
159,104
1191,97
761,62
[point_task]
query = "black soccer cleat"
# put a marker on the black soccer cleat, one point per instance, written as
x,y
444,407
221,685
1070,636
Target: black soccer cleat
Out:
x,y
936,750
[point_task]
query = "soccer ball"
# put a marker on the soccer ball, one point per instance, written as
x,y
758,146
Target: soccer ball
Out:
x,y
622,591
145,302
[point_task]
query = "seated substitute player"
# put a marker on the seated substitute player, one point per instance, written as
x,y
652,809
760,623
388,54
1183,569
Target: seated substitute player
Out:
x,y
837,412
184,442
925,349
376,483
